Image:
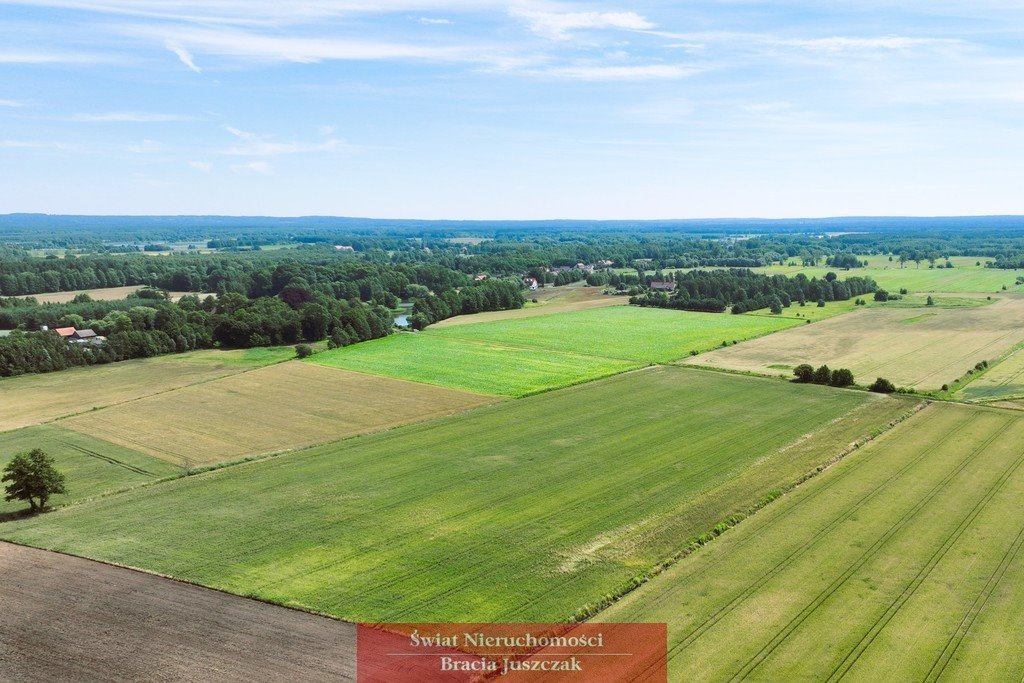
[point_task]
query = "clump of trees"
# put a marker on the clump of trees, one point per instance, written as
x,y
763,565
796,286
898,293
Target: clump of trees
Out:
x,y
807,374
743,291
489,295
32,477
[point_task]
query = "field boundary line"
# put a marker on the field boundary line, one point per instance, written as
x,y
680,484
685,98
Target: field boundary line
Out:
x,y
838,582
698,542
185,582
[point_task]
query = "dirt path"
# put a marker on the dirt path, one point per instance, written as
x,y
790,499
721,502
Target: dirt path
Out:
x,y
66,618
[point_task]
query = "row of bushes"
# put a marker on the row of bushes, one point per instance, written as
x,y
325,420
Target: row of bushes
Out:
x,y
806,374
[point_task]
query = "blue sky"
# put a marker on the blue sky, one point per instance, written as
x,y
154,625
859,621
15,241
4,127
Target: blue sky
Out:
x,y
532,109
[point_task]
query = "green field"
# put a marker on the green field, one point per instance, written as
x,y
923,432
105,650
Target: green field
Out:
x,y
485,368
651,335
91,466
525,510
1003,381
964,277
901,563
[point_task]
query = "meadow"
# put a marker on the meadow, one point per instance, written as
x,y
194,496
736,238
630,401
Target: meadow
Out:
x,y
91,466
34,399
965,276
922,348
102,294
482,367
230,417
512,512
900,563
650,335
549,300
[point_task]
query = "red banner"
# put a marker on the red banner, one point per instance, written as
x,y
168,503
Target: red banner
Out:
x,y
553,653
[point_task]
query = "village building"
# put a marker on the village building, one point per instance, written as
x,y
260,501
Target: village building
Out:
x,y
660,286
530,283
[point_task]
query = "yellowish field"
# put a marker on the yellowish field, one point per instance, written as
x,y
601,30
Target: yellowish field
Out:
x,y
549,300
33,399
922,348
104,294
285,406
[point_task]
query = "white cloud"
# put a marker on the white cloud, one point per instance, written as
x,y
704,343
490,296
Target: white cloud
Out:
x,y
146,147
619,73
184,55
131,117
50,58
253,167
12,103
846,43
431,21
561,25
201,166
265,148
278,48
244,135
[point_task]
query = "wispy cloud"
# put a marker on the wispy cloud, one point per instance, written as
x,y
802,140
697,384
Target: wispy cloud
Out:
x,y
431,21
643,72
184,56
266,148
253,167
847,43
131,117
42,58
561,25
12,103
201,166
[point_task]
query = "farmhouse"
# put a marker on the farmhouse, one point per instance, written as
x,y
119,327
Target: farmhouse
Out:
x,y
65,332
661,286
530,283
480,278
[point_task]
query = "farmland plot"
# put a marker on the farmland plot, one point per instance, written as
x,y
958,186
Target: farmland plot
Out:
x,y
33,399
651,335
901,563
233,417
91,466
517,511
922,348
549,300
1004,381
483,367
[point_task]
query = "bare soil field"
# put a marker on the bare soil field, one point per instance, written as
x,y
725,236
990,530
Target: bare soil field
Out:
x,y
104,294
34,399
281,407
63,618
922,348
549,300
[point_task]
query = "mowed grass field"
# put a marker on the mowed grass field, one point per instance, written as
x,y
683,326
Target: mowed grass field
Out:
x,y
921,348
33,399
482,367
964,277
91,466
517,511
284,406
651,335
903,562
549,300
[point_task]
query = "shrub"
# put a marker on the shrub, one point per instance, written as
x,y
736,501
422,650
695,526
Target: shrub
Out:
x,y
303,351
821,303
881,295
842,377
804,373
882,386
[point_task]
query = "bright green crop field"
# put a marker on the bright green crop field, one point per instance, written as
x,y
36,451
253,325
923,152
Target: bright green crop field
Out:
x,y
901,563
964,277
481,367
513,512
651,335
91,466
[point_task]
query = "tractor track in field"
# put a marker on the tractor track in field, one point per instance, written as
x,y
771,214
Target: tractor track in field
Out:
x,y
837,583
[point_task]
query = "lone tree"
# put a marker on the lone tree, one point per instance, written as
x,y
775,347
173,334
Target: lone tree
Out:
x,y
32,477
882,386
